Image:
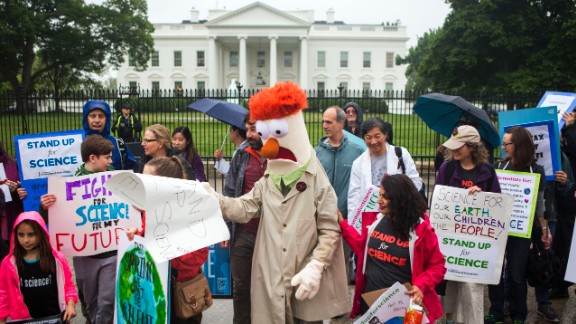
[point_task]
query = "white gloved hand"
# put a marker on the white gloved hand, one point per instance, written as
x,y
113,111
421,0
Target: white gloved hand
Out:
x,y
308,279
206,186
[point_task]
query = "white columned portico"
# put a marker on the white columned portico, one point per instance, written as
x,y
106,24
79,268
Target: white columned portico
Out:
x,y
243,70
303,62
273,61
212,63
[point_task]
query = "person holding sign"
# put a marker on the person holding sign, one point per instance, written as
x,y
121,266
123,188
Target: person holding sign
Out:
x,y
519,150
95,274
397,245
35,279
466,167
187,266
13,198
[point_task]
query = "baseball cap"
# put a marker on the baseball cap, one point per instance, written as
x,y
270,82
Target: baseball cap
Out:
x,y
462,135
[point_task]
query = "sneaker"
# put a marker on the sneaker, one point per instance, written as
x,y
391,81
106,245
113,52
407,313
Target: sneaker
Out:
x,y
559,293
491,319
546,311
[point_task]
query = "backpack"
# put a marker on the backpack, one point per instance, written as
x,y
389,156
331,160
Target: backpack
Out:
x,y
398,151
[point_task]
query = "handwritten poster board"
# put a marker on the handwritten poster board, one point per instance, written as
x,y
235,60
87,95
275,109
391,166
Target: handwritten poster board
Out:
x,y
472,232
369,203
523,187
181,216
141,284
390,307
563,101
87,218
543,125
4,187
46,154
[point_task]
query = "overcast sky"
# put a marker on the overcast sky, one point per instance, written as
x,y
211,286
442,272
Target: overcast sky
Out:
x,y
418,15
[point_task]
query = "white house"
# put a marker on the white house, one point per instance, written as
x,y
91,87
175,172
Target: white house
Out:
x,y
259,45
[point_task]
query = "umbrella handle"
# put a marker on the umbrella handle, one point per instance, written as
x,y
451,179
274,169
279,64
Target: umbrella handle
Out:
x,y
225,137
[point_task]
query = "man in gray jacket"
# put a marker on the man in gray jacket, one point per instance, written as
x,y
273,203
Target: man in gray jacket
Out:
x,y
336,153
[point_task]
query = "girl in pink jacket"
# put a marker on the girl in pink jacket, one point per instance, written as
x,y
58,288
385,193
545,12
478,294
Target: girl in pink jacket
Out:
x,y
397,245
35,279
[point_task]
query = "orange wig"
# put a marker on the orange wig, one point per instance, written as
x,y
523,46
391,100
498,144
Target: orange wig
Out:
x,y
282,100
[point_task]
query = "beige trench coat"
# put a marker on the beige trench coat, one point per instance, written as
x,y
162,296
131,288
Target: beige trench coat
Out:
x,y
292,230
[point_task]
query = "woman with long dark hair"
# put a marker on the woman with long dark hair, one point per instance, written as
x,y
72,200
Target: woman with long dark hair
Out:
x,y
182,141
397,245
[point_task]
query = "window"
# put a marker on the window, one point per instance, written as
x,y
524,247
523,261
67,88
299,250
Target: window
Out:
x,y
343,88
366,89
260,60
199,58
133,85
234,58
366,59
155,88
177,58
201,88
320,87
321,59
389,59
131,61
389,86
178,88
155,58
288,59
343,59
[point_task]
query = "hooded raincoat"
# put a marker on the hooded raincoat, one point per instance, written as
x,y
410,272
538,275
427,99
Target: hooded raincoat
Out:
x,y
359,119
11,300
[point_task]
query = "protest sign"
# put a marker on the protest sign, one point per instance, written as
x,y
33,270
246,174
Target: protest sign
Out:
x,y
141,284
543,125
87,218
217,271
563,101
181,216
54,319
369,203
472,232
4,187
571,268
46,154
390,307
523,187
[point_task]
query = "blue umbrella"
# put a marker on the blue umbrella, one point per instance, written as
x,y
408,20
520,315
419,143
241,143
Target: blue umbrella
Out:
x,y
226,112
442,113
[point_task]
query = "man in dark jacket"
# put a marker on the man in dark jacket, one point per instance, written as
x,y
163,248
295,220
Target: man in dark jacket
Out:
x,y
246,168
127,126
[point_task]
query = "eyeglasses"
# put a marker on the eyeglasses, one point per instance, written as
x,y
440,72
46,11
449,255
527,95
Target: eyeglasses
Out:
x,y
506,144
148,140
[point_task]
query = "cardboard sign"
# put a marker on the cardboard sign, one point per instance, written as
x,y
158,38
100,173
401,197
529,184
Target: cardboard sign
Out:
x,y
87,218
563,101
390,307
46,154
368,204
181,216
142,294
523,187
472,232
543,126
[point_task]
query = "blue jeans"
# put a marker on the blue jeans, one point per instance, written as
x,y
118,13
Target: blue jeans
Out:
x,y
516,287
543,294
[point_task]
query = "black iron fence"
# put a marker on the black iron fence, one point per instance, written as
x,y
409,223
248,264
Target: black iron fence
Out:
x,y
40,111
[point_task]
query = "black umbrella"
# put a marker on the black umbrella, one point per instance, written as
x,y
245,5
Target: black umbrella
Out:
x,y
442,113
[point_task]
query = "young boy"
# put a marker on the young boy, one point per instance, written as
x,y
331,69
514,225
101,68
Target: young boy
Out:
x,y
95,274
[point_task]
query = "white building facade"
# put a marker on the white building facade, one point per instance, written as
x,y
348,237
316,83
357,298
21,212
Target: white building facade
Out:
x,y
258,45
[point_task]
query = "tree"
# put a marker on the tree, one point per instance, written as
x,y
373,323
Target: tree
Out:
x,y
500,45
414,59
67,37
